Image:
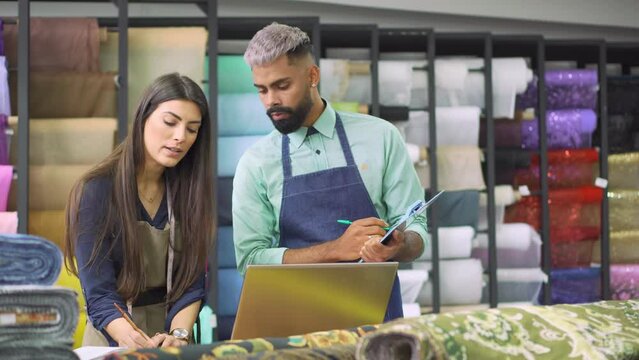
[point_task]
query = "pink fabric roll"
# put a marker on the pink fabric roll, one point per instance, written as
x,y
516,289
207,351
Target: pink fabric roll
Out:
x,y
6,175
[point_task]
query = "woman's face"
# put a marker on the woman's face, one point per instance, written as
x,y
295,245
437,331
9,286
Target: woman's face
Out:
x,y
170,131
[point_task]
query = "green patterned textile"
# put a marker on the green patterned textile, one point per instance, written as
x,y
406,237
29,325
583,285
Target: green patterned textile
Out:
x,y
243,348
602,330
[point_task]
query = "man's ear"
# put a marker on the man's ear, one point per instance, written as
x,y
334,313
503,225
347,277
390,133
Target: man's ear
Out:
x,y
314,75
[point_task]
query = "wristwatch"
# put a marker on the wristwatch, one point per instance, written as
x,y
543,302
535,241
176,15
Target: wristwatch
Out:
x,y
181,334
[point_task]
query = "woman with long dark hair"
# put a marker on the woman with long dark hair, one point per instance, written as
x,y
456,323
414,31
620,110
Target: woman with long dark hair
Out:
x,y
139,224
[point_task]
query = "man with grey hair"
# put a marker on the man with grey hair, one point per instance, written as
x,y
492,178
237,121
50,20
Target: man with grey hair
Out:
x,y
291,187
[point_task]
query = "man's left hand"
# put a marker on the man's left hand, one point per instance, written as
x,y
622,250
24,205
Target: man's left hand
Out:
x,y
374,251
164,340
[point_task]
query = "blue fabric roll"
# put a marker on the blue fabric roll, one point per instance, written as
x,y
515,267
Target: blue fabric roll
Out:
x,y
242,115
28,259
229,151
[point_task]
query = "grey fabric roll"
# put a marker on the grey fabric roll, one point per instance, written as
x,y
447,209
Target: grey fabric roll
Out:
x,y
456,208
39,315
29,350
28,259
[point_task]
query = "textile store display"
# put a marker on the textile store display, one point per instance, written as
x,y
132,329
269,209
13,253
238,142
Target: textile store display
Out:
x,y
507,163
458,168
395,83
455,208
623,132
346,80
449,121
181,50
5,100
242,115
77,141
510,77
461,282
574,286
623,172
57,44
56,94
561,331
518,246
454,242
517,284
565,89
624,281
234,75
565,128
6,177
49,224
231,149
507,133
5,139
28,259
9,222
43,179
504,195
37,313
624,209
312,342
622,246
566,168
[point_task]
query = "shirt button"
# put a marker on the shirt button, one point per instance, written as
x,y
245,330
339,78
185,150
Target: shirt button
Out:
x,y
318,152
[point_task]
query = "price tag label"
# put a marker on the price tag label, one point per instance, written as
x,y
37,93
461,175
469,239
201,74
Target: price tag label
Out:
x,y
601,182
524,190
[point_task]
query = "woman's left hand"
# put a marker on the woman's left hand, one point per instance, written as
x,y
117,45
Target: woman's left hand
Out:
x,y
164,340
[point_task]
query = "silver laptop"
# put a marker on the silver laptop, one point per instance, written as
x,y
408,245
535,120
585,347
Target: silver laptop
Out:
x,y
295,299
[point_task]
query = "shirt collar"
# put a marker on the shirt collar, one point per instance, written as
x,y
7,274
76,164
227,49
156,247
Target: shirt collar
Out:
x,y
325,125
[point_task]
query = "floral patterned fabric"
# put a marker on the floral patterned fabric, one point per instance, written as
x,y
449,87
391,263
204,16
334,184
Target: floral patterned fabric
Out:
x,y
602,330
241,349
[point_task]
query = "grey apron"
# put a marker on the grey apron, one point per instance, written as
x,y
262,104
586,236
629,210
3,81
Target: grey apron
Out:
x,y
149,318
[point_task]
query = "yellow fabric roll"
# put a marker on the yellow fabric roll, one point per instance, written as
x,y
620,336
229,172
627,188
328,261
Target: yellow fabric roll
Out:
x,y
624,209
48,224
623,247
78,141
154,52
49,186
623,171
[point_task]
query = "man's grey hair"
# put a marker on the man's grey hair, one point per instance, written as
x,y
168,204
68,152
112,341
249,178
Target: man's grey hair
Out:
x,y
275,40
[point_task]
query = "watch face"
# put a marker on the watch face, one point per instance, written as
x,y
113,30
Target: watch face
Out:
x,y
182,334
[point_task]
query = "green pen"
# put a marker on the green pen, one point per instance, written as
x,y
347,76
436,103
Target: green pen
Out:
x,y
348,222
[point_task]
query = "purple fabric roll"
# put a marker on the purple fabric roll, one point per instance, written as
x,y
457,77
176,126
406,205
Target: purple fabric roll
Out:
x,y
1,38
4,144
569,129
574,286
572,77
624,281
565,89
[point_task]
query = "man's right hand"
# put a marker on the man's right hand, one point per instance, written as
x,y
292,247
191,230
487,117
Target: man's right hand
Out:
x,y
348,246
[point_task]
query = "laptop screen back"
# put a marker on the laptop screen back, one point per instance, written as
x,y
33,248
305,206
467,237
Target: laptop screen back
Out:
x,y
295,299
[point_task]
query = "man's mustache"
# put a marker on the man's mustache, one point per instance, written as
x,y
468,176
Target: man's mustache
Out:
x,y
279,109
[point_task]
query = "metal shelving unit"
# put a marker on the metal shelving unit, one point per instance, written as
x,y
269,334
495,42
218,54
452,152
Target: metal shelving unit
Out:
x,y
532,47
477,44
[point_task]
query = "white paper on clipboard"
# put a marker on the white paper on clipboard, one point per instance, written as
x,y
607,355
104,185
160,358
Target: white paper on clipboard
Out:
x,y
415,209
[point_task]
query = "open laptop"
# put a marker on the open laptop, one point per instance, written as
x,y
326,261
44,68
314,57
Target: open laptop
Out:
x,y
295,299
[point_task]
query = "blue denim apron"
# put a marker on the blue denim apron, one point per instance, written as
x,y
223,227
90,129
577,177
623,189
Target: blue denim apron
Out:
x,y
312,203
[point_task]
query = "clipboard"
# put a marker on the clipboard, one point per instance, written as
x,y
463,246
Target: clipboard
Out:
x,y
415,209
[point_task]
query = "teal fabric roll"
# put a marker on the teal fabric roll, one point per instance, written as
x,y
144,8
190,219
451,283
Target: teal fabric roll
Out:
x,y
234,75
242,115
39,315
29,351
28,259
229,151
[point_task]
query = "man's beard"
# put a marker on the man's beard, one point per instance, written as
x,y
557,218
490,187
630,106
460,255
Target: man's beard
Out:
x,y
295,118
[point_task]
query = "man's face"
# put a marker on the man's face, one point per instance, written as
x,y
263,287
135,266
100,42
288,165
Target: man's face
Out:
x,y
285,91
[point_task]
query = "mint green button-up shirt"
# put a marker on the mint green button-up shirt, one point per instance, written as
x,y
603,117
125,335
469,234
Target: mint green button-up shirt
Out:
x,y
379,153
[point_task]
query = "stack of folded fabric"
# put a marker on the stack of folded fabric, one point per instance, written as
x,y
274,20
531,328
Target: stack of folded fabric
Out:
x,y
38,320
72,105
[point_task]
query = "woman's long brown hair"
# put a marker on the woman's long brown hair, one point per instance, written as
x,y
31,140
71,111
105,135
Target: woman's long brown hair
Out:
x,y
191,185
